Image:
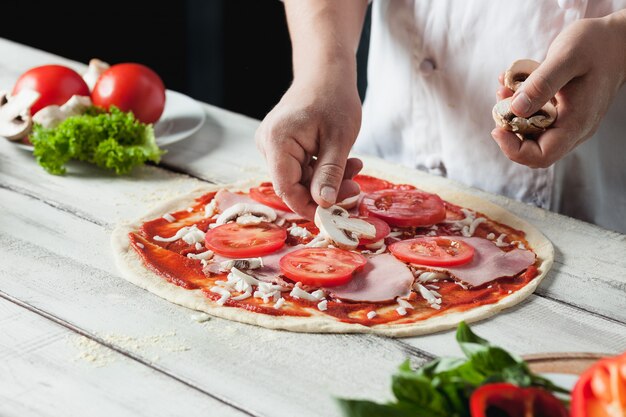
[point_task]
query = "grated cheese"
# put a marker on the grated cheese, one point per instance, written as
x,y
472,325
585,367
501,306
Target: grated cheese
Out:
x,y
189,209
425,293
404,303
500,241
246,294
319,294
371,314
203,255
401,311
198,245
169,217
222,292
322,305
210,209
491,236
298,292
279,303
190,234
429,276
297,231
140,245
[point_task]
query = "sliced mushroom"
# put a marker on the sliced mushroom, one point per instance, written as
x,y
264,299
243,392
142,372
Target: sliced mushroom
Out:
x,y
242,209
349,202
525,128
518,72
245,263
95,70
344,231
15,119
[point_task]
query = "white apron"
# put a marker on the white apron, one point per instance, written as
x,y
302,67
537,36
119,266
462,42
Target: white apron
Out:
x,y
432,75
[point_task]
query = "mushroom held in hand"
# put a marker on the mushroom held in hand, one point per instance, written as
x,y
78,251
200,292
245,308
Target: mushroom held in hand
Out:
x,y
15,119
504,117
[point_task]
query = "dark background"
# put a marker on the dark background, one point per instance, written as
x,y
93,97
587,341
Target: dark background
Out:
x,y
234,54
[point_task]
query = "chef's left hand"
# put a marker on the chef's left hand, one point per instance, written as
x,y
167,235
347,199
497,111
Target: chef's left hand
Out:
x,y
584,68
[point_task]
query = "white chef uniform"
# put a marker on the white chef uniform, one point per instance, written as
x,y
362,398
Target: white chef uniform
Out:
x,y
432,75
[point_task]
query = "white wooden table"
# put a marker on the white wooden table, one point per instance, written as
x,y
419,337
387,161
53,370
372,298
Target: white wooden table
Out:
x,y
76,339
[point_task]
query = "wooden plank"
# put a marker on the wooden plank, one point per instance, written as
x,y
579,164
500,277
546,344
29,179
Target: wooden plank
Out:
x,y
274,373
49,370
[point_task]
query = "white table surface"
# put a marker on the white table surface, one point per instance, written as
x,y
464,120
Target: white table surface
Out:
x,y
76,339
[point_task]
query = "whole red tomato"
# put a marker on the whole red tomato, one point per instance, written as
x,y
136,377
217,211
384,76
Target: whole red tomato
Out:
x,y
55,83
131,87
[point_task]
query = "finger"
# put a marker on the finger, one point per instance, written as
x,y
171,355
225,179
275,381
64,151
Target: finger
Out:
x,y
347,189
286,173
353,167
501,79
329,172
307,174
503,93
543,83
551,146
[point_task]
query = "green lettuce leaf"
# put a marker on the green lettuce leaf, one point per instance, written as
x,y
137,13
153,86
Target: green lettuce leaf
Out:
x,y
113,140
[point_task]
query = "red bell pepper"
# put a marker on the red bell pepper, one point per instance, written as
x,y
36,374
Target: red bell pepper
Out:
x,y
601,390
508,400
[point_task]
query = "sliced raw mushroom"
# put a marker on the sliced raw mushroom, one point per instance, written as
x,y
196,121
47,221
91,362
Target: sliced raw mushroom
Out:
x,y
244,263
526,127
15,119
95,70
243,209
349,202
518,72
529,127
344,231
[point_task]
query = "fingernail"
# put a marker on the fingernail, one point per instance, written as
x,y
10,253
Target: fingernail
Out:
x,y
521,103
329,194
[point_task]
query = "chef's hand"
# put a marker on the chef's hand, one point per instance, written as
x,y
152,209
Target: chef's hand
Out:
x,y
584,68
307,137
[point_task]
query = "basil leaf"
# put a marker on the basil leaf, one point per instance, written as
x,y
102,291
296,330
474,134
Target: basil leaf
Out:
x,y
410,388
465,335
362,408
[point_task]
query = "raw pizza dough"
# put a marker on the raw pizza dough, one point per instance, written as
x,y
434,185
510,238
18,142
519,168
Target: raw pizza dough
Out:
x,y
133,269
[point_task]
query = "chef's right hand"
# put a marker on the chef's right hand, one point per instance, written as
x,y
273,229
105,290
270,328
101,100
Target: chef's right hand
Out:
x,y
306,140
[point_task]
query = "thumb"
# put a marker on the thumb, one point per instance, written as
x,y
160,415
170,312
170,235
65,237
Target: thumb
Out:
x,y
542,85
328,173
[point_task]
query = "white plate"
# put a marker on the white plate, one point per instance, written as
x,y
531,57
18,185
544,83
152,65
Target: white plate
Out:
x,y
181,118
566,381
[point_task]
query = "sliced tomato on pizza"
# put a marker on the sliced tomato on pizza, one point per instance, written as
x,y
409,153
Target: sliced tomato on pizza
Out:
x,y
321,267
265,194
236,241
404,208
433,251
382,230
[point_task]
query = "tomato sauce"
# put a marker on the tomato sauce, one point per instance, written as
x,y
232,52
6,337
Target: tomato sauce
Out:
x,y
169,260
